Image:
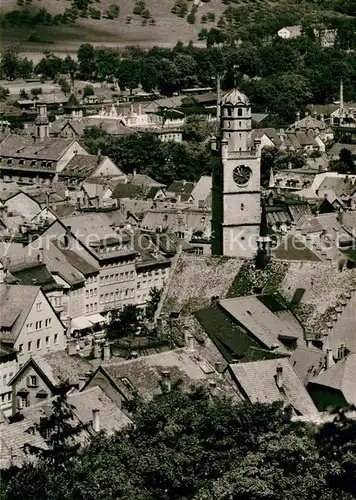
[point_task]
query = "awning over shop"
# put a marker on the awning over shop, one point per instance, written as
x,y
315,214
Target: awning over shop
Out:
x,y
96,318
81,323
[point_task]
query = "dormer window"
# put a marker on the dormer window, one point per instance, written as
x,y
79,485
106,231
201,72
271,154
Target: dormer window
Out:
x,y
33,163
21,162
43,164
9,161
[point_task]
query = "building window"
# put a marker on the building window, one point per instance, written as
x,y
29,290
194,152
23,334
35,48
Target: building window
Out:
x,y
95,306
38,325
38,344
95,292
48,322
87,294
29,346
239,112
9,161
87,308
39,306
229,111
33,163
21,348
56,338
32,381
4,379
47,341
21,162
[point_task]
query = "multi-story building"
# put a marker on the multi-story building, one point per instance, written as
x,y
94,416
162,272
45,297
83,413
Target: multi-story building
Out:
x,y
29,327
37,158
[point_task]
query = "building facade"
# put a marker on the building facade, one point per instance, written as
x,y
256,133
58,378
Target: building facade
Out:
x,y
236,192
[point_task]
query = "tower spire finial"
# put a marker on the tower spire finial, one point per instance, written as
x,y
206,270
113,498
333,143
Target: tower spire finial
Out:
x,y
235,67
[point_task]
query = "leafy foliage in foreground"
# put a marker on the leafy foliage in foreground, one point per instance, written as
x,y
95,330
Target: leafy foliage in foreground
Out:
x,y
195,446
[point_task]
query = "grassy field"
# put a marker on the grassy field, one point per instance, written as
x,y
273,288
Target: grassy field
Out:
x,y
168,30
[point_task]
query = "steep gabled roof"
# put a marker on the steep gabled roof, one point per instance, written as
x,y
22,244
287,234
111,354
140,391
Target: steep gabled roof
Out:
x,y
258,382
341,377
16,302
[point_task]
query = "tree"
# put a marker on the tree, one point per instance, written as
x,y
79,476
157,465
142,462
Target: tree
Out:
x,y
4,93
49,66
153,301
65,87
86,60
197,129
10,62
125,324
60,431
194,445
129,74
36,92
88,90
23,94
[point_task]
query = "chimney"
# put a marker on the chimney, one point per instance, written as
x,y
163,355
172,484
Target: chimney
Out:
x,y
298,116
279,377
96,420
107,351
166,381
40,255
67,236
329,358
134,172
190,340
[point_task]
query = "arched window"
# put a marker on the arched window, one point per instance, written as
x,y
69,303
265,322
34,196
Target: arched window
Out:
x,y
229,111
239,112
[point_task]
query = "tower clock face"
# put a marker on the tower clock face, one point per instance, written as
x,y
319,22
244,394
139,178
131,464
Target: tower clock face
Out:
x,y
241,175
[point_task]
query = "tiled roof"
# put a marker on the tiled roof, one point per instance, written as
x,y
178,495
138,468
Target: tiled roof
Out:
x,y
89,224
128,190
295,248
258,381
75,260
232,340
23,146
341,377
307,362
14,436
58,264
60,367
35,273
262,323
81,166
181,187
145,180
175,220
202,189
145,373
16,302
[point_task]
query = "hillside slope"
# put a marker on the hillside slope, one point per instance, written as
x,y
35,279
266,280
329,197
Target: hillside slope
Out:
x,y
168,30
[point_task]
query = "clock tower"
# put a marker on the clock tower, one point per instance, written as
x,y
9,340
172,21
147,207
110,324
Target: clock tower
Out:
x,y
236,192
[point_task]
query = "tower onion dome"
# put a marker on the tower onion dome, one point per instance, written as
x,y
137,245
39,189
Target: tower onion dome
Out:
x,y
235,98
